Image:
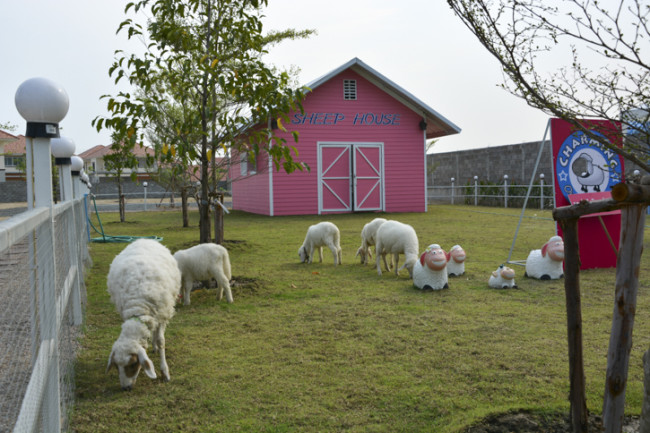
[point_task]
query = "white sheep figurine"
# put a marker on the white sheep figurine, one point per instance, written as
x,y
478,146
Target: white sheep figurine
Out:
x,y
546,263
502,278
456,264
394,237
368,235
430,272
204,262
144,282
323,234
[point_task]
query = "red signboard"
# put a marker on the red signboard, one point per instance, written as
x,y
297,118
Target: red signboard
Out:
x,y
584,169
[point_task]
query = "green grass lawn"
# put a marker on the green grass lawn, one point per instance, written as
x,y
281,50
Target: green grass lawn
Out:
x,y
318,348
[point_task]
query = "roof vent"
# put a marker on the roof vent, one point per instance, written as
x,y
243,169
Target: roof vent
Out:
x,y
349,90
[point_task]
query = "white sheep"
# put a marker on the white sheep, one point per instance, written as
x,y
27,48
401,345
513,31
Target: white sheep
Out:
x,y
323,234
546,263
430,272
144,282
456,264
394,237
204,262
368,235
502,278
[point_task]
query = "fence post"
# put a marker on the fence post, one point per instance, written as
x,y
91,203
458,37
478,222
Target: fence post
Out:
x,y
475,190
541,191
505,190
452,190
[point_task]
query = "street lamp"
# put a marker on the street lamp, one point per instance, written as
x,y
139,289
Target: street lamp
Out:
x,y
145,184
43,104
76,166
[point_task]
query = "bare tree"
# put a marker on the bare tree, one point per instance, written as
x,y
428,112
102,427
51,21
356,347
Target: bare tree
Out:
x,y
604,50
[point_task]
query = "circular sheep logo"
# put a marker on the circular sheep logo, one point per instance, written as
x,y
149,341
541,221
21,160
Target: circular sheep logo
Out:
x,y
584,165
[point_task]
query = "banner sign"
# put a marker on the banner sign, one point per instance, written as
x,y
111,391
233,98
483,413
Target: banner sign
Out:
x,y
585,169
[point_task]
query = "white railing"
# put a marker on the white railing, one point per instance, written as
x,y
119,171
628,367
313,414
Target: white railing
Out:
x,y
42,257
503,194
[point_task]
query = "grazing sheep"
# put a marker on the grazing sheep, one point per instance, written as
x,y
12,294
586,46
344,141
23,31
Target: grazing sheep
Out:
x,y
430,273
323,234
368,234
546,264
394,237
502,278
456,264
144,282
204,262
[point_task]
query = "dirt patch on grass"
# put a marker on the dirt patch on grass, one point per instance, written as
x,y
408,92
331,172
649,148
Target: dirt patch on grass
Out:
x,y
525,422
245,285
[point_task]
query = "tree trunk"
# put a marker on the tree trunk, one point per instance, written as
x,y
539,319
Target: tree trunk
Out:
x,y
218,220
186,218
644,425
620,340
121,199
577,395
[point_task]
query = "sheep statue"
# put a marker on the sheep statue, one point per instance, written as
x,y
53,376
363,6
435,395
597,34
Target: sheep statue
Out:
x,y
323,234
204,262
546,264
394,237
502,278
456,264
368,234
430,273
143,282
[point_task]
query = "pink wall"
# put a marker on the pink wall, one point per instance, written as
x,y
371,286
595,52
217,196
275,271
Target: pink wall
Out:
x,y
329,118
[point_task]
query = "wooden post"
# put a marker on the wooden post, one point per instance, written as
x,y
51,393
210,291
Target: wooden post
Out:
x,y
577,396
218,220
620,342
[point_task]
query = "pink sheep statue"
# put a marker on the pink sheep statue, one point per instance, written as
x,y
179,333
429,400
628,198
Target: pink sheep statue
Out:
x,y
456,265
502,278
546,264
430,273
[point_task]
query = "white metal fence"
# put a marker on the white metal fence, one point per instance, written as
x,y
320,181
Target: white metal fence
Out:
x,y
481,193
42,257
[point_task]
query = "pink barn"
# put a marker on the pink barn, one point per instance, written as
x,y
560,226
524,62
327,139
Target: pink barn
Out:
x,y
364,138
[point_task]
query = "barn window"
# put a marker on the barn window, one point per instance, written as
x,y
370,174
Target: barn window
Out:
x,y
247,166
350,90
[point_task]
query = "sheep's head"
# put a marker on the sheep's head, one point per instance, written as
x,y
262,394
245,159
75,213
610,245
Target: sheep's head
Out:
x,y
128,362
364,254
505,272
457,254
303,254
554,248
435,258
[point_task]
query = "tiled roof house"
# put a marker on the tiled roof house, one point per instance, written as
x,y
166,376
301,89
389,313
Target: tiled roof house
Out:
x,y
12,151
94,160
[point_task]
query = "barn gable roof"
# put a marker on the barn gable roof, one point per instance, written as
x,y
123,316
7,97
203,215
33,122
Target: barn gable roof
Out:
x,y
437,124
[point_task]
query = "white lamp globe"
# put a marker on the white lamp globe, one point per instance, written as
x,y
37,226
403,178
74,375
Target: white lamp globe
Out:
x,y
76,164
42,100
62,147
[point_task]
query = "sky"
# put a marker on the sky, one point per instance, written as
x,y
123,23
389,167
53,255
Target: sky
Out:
x,y
418,44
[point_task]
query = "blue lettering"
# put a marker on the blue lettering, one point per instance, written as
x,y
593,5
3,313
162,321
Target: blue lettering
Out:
x,y
338,117
296,119
318,119
357,118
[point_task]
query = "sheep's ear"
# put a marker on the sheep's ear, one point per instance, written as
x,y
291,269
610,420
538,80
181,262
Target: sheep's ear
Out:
x,y
422,259
494,274
146,363
111,362
544,249
448,255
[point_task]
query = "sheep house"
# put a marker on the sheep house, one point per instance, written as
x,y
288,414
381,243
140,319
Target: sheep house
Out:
x,y
364,138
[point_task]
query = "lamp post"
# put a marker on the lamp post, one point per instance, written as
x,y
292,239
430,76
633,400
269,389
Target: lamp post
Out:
x,y
43,104
62,150
541,191
475,190
452,190
144,184
505,190
76,165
